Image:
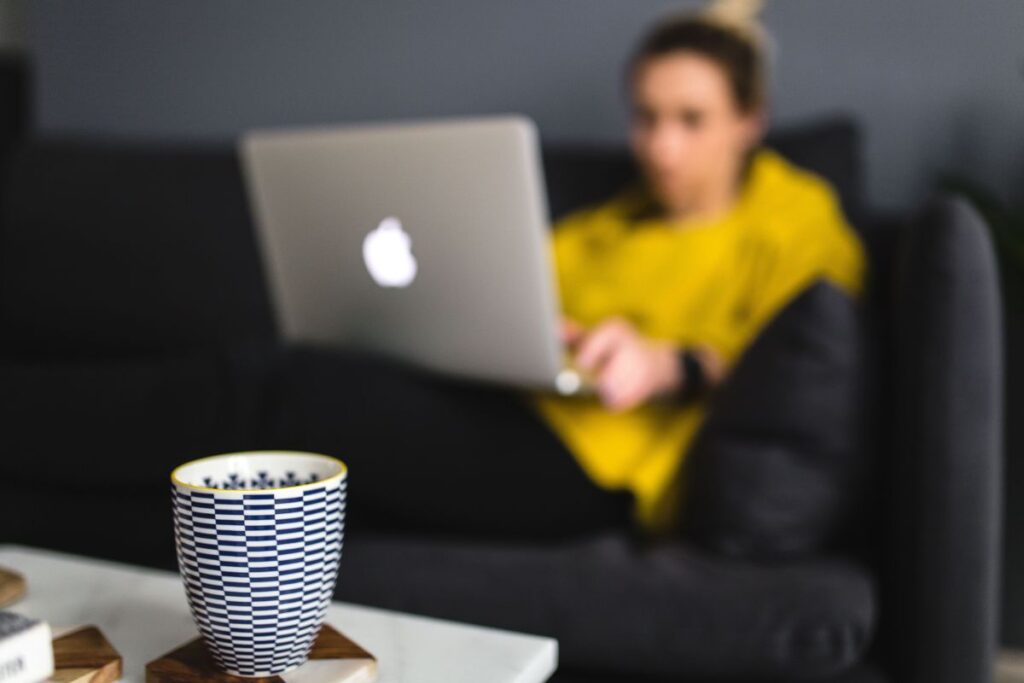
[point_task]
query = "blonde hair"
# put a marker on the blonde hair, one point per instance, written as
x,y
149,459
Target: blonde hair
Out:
x,y
741,17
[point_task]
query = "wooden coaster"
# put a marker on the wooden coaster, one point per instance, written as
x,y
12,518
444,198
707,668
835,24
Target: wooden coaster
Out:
x,y
12,587
333,659
82,654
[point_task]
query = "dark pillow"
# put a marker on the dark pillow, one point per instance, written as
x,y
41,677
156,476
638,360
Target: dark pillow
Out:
x,y
776,469
831,148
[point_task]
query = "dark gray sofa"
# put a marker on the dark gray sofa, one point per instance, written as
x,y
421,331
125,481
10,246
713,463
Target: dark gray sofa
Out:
x,y
916,603
127,271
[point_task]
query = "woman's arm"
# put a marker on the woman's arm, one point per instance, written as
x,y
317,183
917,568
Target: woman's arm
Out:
x,y
631,369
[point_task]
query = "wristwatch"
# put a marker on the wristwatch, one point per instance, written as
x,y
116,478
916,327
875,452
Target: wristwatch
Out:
x,y
694,379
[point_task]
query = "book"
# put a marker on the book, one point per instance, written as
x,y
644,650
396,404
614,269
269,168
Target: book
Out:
x,y
26,649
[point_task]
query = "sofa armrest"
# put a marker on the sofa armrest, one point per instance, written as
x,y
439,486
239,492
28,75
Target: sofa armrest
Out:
x,y
942,561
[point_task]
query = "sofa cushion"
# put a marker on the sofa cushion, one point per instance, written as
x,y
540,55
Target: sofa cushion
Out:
x,y
663,610
776,470
862,673
114,248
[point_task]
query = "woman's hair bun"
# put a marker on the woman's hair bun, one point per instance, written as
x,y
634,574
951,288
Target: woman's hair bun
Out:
x,y
738,12
740,16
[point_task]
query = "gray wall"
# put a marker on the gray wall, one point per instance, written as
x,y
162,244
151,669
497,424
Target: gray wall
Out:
x,y
938,84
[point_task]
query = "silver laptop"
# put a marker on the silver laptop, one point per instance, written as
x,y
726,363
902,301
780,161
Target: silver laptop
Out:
x,y
426,241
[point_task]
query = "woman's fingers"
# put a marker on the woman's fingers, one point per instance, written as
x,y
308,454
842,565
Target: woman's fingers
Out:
x,y
628,368
600,343
636,371
622,379
637,374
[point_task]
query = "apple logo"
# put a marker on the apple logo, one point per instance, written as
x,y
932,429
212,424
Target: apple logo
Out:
x,y
387,252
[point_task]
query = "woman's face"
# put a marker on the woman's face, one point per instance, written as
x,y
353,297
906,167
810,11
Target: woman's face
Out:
x,y
686,131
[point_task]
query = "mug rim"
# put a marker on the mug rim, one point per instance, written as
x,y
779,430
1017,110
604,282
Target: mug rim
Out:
x,y
342,473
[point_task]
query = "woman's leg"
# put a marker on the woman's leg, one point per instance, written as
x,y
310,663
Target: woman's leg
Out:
x,y
438,455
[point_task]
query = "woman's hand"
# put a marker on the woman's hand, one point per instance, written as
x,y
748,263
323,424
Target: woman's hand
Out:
x,y
629,368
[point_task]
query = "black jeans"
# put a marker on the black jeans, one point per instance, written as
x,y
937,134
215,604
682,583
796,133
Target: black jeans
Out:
x,y
431,454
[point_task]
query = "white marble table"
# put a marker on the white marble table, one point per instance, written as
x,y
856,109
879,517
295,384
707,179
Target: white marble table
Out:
x,y
144,614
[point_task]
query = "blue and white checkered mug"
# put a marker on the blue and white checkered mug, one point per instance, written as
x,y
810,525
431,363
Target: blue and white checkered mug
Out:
x,y
259,539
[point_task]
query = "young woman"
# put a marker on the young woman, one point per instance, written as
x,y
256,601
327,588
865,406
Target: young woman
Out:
x,y
663,287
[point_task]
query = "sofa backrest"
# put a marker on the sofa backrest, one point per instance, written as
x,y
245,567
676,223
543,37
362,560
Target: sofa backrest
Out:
x,y
14,97
112,248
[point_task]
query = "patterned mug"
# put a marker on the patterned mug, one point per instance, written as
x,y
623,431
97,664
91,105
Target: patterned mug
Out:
x,y
259,536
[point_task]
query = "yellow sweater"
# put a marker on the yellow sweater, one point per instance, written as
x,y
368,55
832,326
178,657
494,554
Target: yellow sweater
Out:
x,y
712,282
